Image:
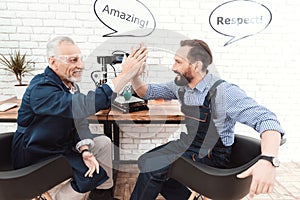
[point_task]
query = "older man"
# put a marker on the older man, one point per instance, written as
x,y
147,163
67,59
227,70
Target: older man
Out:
x,y
52,120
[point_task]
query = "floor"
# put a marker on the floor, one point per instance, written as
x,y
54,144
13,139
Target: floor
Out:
x,y
287,184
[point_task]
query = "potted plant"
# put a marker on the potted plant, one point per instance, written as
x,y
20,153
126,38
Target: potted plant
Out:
x,y
18,64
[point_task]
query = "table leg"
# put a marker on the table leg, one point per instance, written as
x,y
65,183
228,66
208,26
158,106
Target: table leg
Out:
x,y
116,140
107,129
113,134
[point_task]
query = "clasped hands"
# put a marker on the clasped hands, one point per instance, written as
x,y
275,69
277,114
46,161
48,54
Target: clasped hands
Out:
x,y
135,63
132,66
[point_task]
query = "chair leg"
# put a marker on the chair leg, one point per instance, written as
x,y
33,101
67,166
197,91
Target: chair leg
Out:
x,y
193,195
45,196
200,197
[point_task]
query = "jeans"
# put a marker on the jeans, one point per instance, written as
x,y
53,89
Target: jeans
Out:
x,y
153,178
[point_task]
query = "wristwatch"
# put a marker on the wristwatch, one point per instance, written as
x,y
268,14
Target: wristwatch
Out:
x,y
274,160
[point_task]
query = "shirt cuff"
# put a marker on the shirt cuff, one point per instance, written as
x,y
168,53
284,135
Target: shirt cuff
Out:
x,y
271,125
110,84
88,142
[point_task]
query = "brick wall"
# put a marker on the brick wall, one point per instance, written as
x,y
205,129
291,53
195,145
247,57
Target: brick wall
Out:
x,y
265,65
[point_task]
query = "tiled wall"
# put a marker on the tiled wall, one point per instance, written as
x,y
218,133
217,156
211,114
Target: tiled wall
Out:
x,y
265,65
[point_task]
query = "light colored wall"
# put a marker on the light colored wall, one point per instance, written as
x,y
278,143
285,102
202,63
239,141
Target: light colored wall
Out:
x,y
265,65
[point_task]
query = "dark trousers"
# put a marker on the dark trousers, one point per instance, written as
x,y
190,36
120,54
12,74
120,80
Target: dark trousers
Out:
x,y
153,178
149,185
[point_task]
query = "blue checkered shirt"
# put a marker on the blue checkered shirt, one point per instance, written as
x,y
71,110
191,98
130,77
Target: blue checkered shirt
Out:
x,y
232,105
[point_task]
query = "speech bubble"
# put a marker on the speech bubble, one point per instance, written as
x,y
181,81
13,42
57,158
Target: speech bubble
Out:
x,y
125,16
240,19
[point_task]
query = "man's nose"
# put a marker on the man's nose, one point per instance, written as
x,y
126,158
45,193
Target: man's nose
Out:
x,y
80,64
174,67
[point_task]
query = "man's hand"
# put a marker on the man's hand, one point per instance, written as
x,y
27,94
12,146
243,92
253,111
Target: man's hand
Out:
x,y
131,66
91,162
263,177
135,63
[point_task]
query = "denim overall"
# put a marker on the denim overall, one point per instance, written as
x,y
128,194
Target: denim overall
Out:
x,y
202,144
205,143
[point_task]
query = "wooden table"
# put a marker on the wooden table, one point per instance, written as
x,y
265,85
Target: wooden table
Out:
x,y
160,112
11,114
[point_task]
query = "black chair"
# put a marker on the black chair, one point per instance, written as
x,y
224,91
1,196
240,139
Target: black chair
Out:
x,y
216,183
31,181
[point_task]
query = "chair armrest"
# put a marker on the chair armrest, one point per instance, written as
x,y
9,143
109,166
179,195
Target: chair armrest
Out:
x,y
31,181
282,141
5,151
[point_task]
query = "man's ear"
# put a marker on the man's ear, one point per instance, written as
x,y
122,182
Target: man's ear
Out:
x,y
198,66
51,60
52,63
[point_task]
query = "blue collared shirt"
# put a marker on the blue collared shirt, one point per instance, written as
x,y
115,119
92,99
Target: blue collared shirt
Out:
x,y
232,105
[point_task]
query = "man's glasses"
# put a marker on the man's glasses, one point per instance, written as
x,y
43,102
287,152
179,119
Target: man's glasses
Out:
x,y
70,59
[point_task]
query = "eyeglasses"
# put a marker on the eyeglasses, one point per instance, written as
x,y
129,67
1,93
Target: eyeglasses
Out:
x,y
70,59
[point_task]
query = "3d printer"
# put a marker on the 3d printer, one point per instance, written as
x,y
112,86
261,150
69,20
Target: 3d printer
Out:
x,y
100,77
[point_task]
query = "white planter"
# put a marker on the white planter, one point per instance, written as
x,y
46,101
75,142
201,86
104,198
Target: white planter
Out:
x,y
20,90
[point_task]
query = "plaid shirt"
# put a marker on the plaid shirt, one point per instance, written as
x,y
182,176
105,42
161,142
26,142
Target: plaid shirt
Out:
x,y
232,105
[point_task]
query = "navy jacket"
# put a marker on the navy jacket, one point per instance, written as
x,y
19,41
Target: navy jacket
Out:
x,y
51,121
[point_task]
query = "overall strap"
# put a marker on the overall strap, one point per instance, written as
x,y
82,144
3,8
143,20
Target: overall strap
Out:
x,y
212,137
181,92
212,92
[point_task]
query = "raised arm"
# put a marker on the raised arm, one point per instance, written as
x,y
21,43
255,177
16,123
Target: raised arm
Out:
x,y
139,86
131,67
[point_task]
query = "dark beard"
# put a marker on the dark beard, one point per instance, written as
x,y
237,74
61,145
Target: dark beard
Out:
x,y
181,81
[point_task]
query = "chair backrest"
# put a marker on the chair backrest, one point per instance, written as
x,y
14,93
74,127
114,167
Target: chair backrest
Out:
x,y
217,183
5,151
244,150
30,181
